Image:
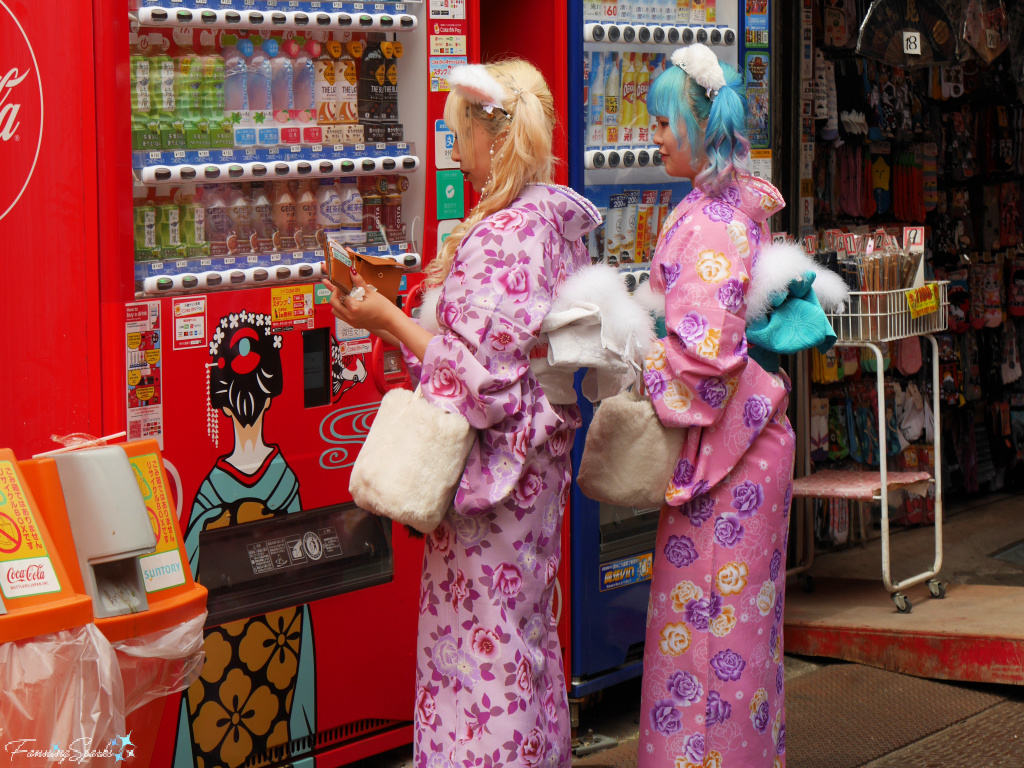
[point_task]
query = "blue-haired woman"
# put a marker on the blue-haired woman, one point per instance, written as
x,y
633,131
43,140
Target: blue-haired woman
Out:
x,y
713,680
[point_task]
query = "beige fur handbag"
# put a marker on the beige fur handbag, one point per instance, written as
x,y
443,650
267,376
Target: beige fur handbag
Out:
x,y
412,461
629,456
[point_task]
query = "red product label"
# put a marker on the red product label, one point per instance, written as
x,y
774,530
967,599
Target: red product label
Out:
x,y
312,134
291,135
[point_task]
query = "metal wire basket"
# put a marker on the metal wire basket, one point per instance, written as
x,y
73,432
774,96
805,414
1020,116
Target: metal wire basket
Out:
x,y
885,316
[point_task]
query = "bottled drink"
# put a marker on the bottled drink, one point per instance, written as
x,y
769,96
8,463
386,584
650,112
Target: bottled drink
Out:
x,y
162,96
144,215
192,216
236,91
261,102
612,93
283,211
595,111
168,227
347,83
262,238
282,89
188,88
643,87
306,217
392,209
327,95
328,213
240,216
351,227
218,223
212,101
373,202
145,128
372,75
627,106
389,89
304,71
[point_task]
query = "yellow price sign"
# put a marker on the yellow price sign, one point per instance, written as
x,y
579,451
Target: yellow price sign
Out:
x,y
355,49
923,300
388,49
399,49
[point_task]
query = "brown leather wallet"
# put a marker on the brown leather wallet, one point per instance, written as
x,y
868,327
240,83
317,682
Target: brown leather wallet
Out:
x,y
384,274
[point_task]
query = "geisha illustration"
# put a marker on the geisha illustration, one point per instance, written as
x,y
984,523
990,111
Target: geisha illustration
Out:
x,y
257,687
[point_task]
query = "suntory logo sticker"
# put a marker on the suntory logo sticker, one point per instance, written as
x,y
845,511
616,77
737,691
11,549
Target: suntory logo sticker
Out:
x,y
21,109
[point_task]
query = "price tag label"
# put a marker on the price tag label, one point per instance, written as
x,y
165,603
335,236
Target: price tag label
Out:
x,y
253,259
913,239
923,300
912,42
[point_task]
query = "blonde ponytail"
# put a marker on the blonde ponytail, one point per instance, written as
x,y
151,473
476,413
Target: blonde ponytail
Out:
x,y
525,156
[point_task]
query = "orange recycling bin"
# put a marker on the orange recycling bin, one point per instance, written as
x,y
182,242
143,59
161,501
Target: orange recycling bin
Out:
x,y
159,641
61,695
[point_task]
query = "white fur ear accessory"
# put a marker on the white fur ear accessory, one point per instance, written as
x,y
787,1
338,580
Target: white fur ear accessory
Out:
x,y
476,85
699,62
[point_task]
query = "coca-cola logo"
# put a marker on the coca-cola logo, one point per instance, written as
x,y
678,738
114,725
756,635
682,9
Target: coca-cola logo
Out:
x,y
21,110
24,575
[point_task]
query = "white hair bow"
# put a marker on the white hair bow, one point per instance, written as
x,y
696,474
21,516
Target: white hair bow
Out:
x,y
699,62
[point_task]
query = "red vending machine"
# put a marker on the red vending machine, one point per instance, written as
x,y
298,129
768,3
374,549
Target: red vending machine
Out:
x,y
204,154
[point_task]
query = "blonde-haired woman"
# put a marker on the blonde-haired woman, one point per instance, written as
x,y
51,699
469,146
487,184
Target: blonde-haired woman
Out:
x,y
490,687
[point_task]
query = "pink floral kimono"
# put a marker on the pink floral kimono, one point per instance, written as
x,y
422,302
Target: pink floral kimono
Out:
x,y
713,679
490,686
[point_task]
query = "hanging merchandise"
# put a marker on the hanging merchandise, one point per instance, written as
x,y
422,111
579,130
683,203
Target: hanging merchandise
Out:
x,y
986,28
907,33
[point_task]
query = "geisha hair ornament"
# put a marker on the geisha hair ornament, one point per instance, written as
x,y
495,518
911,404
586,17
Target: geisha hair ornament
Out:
x,y
700,63
477,86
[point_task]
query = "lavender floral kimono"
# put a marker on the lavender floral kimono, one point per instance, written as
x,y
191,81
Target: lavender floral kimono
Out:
x,y
490,685
713,679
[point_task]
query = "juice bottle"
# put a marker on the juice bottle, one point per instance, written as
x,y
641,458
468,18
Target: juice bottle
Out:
x,y
305,217
283,211
188,88
262,237
261,101
697,12
683,10
351,208
643,87
211,101
327,95
236,91
216,219
627,107
282,90
389,90
241,230
304,88
612,93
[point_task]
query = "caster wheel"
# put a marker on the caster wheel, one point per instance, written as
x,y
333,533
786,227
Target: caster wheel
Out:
x,y
902,602
806,582
937,588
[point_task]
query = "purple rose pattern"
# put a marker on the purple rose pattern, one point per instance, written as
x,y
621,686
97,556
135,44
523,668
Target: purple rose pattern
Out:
x,y
727,665
489,680
702,642
747,498
680,551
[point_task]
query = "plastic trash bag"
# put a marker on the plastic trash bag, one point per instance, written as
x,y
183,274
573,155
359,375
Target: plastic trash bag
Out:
x,y
60,694
161,663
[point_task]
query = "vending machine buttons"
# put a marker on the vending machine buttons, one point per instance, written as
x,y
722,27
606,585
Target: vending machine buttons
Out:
x,y
673,35
658,35
258,169
323,20
233,17
628,33
687,36
190,281
628,158
300,19
278,18
643,157
388,164
365,20
716,37
407,22
326,166
643,35
213,280
237,277
259,275
283,273
344,20
702,36
282,169
255,17
730,37
187,173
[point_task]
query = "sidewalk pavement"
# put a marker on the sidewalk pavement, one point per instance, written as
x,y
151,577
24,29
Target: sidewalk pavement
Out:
x,y
839,715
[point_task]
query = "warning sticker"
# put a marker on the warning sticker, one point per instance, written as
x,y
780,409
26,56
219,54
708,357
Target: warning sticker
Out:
x,y
143,371
26,569
164,568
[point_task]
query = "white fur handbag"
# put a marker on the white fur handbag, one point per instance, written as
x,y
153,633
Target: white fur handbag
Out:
x,y
412,461
630,456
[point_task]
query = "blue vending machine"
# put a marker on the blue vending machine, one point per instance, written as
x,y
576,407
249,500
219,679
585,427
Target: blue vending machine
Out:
x,y
615,51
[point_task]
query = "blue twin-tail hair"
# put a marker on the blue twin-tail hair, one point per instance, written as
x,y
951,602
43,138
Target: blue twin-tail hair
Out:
x,y
677,97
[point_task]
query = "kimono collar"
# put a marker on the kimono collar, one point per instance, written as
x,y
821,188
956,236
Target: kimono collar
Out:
x,y
571,214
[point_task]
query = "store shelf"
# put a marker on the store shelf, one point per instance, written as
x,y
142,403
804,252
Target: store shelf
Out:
x,y
857,485
269,19
622,158
229,165
658,34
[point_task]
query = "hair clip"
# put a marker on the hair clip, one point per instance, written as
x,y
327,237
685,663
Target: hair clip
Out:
x,y
700,63
477,86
